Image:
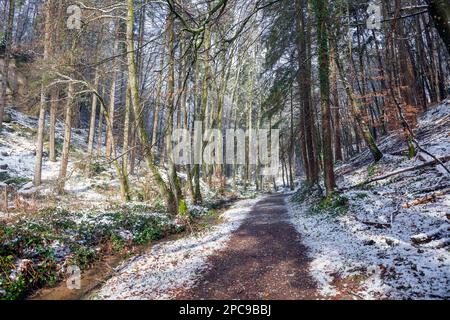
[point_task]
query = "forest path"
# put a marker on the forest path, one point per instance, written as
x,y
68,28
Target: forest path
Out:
x,y
264,259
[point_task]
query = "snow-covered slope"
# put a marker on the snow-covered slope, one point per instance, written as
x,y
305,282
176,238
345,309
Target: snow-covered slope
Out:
x,y
368,251
17,161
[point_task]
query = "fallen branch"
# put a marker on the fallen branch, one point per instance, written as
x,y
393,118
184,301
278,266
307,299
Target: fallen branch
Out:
x,y
395,173
377,225
430,236
430,198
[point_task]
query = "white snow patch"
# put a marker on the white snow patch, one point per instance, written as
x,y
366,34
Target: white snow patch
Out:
x,y
392,267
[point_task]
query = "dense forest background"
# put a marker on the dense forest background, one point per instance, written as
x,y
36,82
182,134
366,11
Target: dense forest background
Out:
x,y
136,70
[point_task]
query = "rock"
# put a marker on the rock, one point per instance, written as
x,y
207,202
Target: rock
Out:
x,y
369,242
7,118
5,154
4,167
389,242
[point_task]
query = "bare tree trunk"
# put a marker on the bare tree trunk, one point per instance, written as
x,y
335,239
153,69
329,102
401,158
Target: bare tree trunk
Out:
x,y
5,73
112,94
321,10
173,176
126,133
165,192
291,144
186,127
93,114
67,139
100,129
41,122
336,108
304,80
201,115
159,91
54,97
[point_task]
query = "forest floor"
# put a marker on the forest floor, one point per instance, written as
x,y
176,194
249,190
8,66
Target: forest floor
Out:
x,y
364,242
383,240
261,259
255,253
387,239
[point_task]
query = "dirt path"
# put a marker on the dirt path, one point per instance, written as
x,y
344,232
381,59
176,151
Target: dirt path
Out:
x,y
263,260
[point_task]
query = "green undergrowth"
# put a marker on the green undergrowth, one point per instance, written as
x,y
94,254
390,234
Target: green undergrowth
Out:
x,y
306,192
34,251
6,178
334,204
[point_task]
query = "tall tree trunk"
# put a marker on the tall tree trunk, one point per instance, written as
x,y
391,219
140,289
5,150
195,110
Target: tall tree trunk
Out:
x,y
67,139
190,186
126,133
100,129
112,93
304,81
201,114
164,191
94,102
336,108
291,144
173,176
321,10
54,97
93,114
5,73
159,89
42,105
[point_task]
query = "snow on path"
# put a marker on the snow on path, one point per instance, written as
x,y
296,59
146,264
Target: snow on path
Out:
x,y
174,264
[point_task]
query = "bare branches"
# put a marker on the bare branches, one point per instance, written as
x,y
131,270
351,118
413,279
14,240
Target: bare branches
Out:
x,y
219,7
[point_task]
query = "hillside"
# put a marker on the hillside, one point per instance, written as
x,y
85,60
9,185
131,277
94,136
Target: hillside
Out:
x,y
387,239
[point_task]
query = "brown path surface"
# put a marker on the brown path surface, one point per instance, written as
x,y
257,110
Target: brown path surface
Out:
x,y
264,259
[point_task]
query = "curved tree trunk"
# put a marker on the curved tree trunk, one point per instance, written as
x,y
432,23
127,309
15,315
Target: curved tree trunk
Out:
x,y
355,110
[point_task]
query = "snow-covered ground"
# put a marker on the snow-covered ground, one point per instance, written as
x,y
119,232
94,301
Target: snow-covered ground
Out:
x,y
174,264
369,247
18,156
100,191
18,146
